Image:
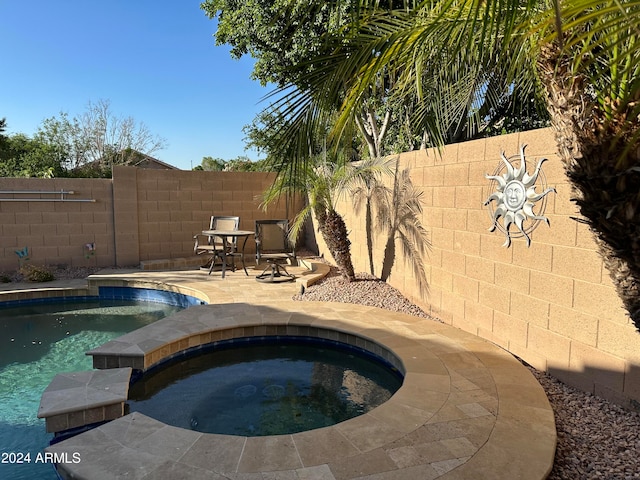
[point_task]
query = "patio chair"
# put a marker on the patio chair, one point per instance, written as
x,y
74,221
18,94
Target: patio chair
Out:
x,y
213,245
273,247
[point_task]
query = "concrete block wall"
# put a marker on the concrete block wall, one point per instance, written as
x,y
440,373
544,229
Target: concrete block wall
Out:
x,y
551,304
170,207
56,232
139,215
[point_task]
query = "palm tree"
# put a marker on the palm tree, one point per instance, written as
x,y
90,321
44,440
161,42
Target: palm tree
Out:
x,y
594,102
582,56
323,182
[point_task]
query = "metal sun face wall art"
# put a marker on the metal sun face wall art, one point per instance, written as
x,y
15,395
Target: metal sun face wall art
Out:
x,y
515,197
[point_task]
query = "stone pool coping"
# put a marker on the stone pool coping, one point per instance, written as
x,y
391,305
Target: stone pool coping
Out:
x,y
192,282
467,408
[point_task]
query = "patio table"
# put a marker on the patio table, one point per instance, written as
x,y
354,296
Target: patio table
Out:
x,y
225,235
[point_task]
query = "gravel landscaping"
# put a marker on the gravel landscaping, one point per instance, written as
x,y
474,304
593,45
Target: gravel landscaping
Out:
x,y
63,272
596,439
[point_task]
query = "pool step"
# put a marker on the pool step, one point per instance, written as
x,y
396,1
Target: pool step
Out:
x,y
77,399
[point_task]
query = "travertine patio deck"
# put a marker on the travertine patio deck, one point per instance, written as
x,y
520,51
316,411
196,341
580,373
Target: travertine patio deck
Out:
x,y
467,409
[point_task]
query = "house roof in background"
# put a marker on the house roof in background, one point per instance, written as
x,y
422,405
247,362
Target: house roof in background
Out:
x,y
149,162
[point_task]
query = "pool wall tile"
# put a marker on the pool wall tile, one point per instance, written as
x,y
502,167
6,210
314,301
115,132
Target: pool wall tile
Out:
x,y
95,415
64,295
332,335
148,295
209,337
246,332
237,332
57,423
112,362
76,419
99,361
272,330
260,330
136,362
174,347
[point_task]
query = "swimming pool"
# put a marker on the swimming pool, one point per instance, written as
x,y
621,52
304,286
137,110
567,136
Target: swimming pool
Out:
x,y
39,340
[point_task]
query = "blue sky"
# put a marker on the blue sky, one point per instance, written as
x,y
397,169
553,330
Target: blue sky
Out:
x,y
155,61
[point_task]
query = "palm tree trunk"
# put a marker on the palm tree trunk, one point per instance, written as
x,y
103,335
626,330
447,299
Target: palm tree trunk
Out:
x,y
603,174
334,232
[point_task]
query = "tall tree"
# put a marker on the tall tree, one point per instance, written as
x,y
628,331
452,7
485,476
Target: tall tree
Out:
x,y
281,36
98,139
592,77
584,53
213,164
3,138
21,156
289,41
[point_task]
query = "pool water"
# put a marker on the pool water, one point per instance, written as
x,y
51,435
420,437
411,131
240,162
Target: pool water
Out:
x,y
265,389
38,341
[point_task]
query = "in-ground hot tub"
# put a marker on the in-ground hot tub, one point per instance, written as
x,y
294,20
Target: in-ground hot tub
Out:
x,y
271,385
